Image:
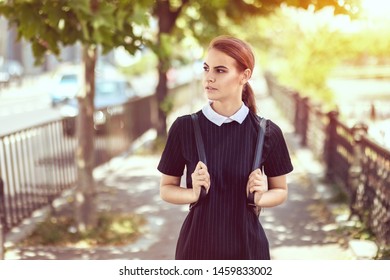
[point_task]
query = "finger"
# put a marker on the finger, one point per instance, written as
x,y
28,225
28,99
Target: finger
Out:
x,y
252,189
200,179
256,173
205,181
256,180
256,189
256,176
202,172
201,165
258,196
197,167
197,179
259,188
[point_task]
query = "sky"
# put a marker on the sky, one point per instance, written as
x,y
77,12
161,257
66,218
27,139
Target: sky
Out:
x,y
376,8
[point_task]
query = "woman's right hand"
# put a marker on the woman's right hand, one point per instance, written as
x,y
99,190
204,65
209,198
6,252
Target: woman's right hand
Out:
x,y
200,177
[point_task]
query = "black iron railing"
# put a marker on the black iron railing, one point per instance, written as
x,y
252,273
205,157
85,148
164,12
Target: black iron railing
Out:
x,y
352,159
37,164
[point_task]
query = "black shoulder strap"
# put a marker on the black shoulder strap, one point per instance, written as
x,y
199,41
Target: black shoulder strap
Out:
x,y
258,155
198,139
259,144
201,153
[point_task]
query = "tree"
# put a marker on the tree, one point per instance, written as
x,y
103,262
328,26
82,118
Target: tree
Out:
x,y
205,19
318,48
51,24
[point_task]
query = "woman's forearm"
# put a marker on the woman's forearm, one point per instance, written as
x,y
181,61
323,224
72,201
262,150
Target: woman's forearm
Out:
x,y
272,197
177,195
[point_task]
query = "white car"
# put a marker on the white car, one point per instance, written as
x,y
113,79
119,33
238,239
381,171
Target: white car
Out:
x,y
111,95
66,84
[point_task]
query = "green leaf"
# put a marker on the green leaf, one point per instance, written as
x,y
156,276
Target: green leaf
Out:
x,y
38,51
80,7
121,17
85,31
53,14
166,46
140,15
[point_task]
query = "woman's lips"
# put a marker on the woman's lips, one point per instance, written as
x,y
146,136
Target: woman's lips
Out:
x,y
210,89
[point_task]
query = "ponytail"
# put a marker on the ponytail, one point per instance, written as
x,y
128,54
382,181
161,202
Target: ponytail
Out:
x,y
248,97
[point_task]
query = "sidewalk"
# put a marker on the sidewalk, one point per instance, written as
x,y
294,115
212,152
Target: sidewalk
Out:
x,y
302,228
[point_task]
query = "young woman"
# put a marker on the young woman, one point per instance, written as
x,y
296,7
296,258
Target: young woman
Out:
x,y
222,226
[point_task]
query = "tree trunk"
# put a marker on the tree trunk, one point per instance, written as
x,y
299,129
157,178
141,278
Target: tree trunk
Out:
x,y
85,207
166,21
161,94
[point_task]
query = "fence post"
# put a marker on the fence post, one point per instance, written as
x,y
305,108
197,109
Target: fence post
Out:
x,y
354,176
301,117
2,220
330,143
304,119
297,99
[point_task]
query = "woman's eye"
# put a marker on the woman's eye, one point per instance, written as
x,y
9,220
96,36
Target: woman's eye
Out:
x,y
220,71
206,69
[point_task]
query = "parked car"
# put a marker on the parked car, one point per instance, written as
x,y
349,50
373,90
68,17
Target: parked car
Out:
x,y
66,84
111,94
67,80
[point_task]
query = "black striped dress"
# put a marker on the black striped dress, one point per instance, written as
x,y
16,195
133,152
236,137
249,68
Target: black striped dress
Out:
x,y
223,227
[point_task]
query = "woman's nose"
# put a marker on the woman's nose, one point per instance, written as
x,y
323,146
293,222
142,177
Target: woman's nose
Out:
x,y
210,79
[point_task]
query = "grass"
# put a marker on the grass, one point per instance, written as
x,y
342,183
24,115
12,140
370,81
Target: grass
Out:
x,y
384,254
111,230
353,228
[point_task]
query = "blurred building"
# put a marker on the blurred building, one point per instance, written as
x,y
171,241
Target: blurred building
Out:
x,y
11,49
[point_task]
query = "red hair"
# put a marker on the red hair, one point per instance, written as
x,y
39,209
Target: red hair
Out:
x,y
242,53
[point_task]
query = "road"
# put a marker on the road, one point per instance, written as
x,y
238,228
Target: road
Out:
x,y
31,95
29,104
26,105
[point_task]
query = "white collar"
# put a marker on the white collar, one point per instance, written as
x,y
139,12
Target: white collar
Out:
x,y
218,119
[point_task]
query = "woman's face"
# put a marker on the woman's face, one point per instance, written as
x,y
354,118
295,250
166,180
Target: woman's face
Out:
x,y
222,80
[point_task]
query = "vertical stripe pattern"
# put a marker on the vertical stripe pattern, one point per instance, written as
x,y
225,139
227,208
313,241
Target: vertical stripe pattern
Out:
x,y
223,226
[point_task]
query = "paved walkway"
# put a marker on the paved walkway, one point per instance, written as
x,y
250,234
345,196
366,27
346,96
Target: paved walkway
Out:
x,y
302,228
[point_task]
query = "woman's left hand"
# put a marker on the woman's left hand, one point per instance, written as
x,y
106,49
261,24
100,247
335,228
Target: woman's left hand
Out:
x,y
257,183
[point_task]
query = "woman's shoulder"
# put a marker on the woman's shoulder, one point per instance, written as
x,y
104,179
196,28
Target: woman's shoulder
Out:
x,y
185,119
272,128
182,119
181,123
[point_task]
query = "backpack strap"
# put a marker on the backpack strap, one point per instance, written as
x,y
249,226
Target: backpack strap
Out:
x,y
257,160
201,153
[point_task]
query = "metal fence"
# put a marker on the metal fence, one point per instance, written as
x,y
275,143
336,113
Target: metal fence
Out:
x,y
353,160
38,163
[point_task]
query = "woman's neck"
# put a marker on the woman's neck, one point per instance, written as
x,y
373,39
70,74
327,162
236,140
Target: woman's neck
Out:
x,y
226,109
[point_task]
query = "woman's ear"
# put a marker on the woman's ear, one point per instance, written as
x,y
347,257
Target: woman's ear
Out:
x,y
246,75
